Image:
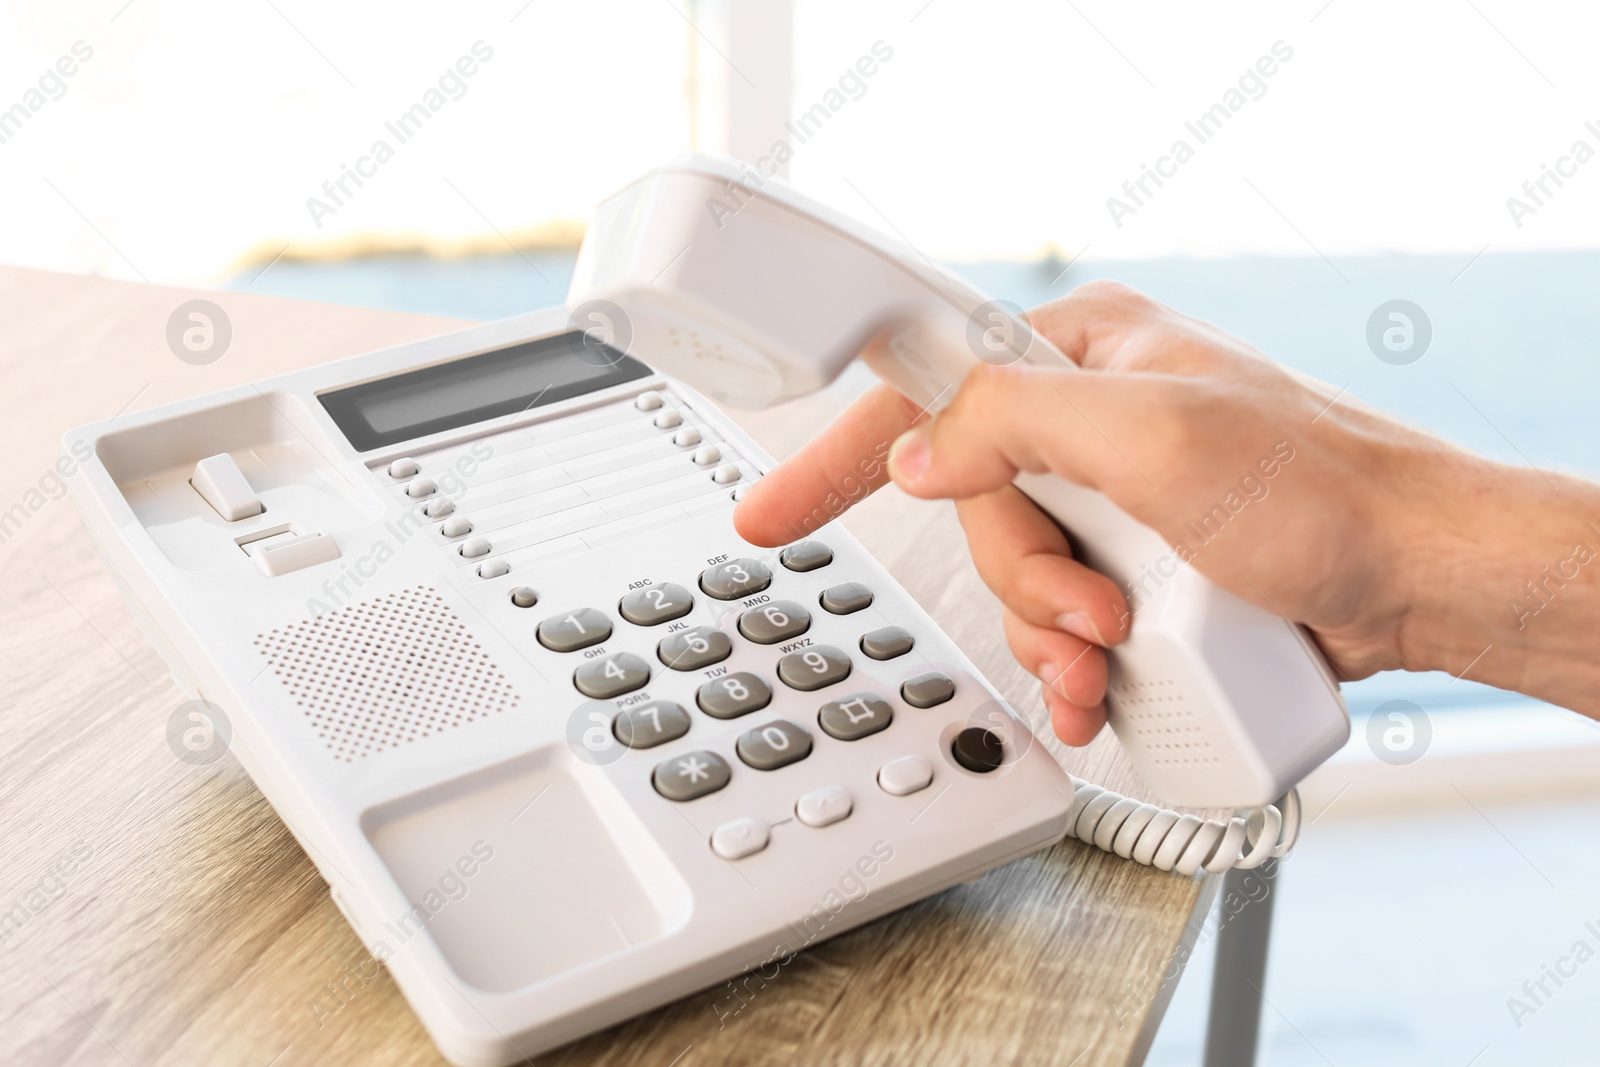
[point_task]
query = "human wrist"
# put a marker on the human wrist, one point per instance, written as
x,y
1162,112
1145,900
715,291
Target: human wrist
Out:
x,y
1502,577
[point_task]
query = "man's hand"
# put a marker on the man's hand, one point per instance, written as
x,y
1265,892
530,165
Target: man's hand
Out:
x,y
1274,486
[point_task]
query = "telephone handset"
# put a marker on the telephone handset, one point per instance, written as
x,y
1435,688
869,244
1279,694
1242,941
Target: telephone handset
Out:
x,y
756,294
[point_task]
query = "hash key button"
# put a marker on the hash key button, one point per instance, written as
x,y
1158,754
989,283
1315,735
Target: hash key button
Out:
x,y
611,676
814,668
691,775
733,695
735,578
656,604
846,598
568,633
926,690
886,643
689,650
777,744
774,622
855,716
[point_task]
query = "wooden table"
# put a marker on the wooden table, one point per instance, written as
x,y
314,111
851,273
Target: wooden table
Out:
x,y
153,912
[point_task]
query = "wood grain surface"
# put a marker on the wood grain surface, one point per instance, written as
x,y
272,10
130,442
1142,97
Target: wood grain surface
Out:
x,y
153,912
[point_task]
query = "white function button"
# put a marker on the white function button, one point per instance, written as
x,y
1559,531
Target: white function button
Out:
x,y
493,569
222,484
823,807
668,420
738,494
404,468
477,546
686,437
725,474
905,775
456,527
420,487
439,507
740,838
708,455
648,401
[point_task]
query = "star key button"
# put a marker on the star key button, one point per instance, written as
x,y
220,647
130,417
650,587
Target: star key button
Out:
x,y
691,775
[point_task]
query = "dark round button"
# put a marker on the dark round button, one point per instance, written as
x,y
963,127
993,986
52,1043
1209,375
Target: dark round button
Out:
x,y
978,749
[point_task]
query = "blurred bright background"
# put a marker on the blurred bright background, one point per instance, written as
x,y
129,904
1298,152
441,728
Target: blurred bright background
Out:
x,y
193,142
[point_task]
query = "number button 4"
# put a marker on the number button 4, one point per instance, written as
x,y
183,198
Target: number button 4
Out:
x,y
611,676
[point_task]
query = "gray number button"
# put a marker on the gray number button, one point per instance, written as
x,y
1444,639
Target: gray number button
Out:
x,y
568,633
652,724
886,643
806,556
611,676
656,604
813,668
735,578
777,744
689,650
774,622
843,599
733,695
855,716
693,774
926,690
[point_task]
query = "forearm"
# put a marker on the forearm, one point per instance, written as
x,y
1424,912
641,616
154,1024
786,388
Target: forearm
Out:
x,y
1503,573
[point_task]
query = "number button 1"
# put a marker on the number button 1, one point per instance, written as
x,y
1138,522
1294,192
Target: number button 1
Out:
x,y
656,604
735,578
568,633
611,676
774,622
777,744
733,695
651,724
814,668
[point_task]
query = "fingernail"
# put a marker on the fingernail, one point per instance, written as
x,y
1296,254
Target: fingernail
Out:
x,y
1079,624
1050,674
909,456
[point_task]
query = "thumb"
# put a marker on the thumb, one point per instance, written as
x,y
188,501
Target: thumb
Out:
x,y
1089,427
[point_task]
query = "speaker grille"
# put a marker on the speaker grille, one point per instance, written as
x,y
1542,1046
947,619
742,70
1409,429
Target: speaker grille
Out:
x,y
1163,721
386,671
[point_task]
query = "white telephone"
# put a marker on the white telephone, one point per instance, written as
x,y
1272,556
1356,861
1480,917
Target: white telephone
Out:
x,y
757,294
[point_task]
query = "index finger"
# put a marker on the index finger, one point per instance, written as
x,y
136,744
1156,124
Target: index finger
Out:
x,y
838,468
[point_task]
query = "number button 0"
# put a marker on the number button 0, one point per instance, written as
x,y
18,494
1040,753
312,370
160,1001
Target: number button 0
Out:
x,y
689,650
774,622
856,716
814,668
733,695
611,676
777,744
656,604
568,633
735,578
651,724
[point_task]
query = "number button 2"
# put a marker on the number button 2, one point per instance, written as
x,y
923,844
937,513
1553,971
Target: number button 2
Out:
x,y
656,604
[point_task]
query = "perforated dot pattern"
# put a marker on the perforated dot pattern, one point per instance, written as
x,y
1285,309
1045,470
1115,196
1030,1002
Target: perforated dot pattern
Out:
x,y
1160,715
386,671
